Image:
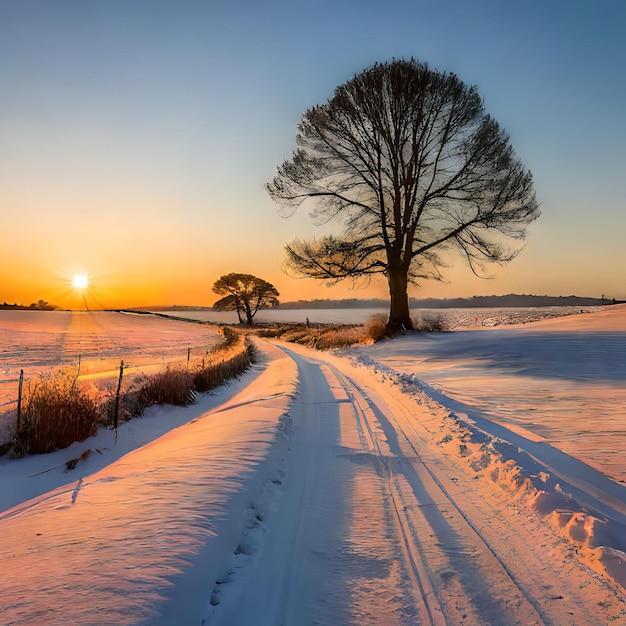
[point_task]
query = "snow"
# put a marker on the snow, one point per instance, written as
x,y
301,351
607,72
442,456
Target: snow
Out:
x,y
562,380
375,485
42,339
105,547
451,318
31,476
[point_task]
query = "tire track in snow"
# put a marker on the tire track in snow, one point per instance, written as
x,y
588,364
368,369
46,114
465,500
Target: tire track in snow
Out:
x,y
329,554
452,584
555,587
413,555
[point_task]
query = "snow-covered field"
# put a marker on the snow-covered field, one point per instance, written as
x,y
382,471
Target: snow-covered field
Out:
x,y
451,318
365,487
38,341
562,380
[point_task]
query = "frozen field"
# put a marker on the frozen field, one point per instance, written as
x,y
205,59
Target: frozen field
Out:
x,y
452,318
36,341
339,488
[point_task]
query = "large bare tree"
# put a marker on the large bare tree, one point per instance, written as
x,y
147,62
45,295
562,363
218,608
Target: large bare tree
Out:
x,y
245,294
406,158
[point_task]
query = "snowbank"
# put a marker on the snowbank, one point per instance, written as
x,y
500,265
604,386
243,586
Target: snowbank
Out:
x,y
585,506
142,540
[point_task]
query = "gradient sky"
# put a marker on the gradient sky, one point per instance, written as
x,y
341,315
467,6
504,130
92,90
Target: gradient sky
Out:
x,y
136,136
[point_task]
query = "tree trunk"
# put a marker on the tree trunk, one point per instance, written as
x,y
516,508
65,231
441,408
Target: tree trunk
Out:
x,y
399,316
249,314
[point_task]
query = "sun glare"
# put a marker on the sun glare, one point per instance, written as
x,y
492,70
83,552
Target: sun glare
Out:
x,y
80,281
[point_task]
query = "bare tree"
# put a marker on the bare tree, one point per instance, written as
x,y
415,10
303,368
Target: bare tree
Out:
x,y
406,158
245,294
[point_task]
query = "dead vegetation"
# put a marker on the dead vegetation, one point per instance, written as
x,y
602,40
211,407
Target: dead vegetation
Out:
x,y
330,336
57,411
179,385
58,408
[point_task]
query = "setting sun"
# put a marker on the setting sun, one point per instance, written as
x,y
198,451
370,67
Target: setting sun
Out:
x,y
80,281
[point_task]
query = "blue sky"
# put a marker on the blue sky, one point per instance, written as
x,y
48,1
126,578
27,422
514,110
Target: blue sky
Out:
x,y
136,136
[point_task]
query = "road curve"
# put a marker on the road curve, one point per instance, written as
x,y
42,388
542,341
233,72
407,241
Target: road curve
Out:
x,y
376,525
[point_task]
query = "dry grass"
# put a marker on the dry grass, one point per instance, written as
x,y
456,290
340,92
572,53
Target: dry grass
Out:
x,y
230,338
376,327
57,411
340,338
323,337
429,323
326,336
207,376
179,386
173,386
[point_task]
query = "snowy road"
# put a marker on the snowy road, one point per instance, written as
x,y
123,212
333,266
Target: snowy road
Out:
x,y
377,526
327,557
346,502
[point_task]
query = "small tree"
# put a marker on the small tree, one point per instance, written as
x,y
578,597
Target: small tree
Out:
x,y
409,162
245,294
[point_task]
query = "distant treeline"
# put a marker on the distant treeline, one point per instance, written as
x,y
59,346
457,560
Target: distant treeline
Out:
x,y
349,303
41,305
510,300
172,307
476,302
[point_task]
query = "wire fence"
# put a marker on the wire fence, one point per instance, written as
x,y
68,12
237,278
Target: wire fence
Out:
x,y
117,393
91,367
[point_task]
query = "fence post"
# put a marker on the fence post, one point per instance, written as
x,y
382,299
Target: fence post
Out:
x,y
117,398
188,357
77,371
19,400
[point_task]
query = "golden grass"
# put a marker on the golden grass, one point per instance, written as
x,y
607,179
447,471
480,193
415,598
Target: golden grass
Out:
x,y
328,337
207,376
179,386
56,412
173,386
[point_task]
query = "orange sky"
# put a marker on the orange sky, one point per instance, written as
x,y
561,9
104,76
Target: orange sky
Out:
x,y
136,144
133,260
